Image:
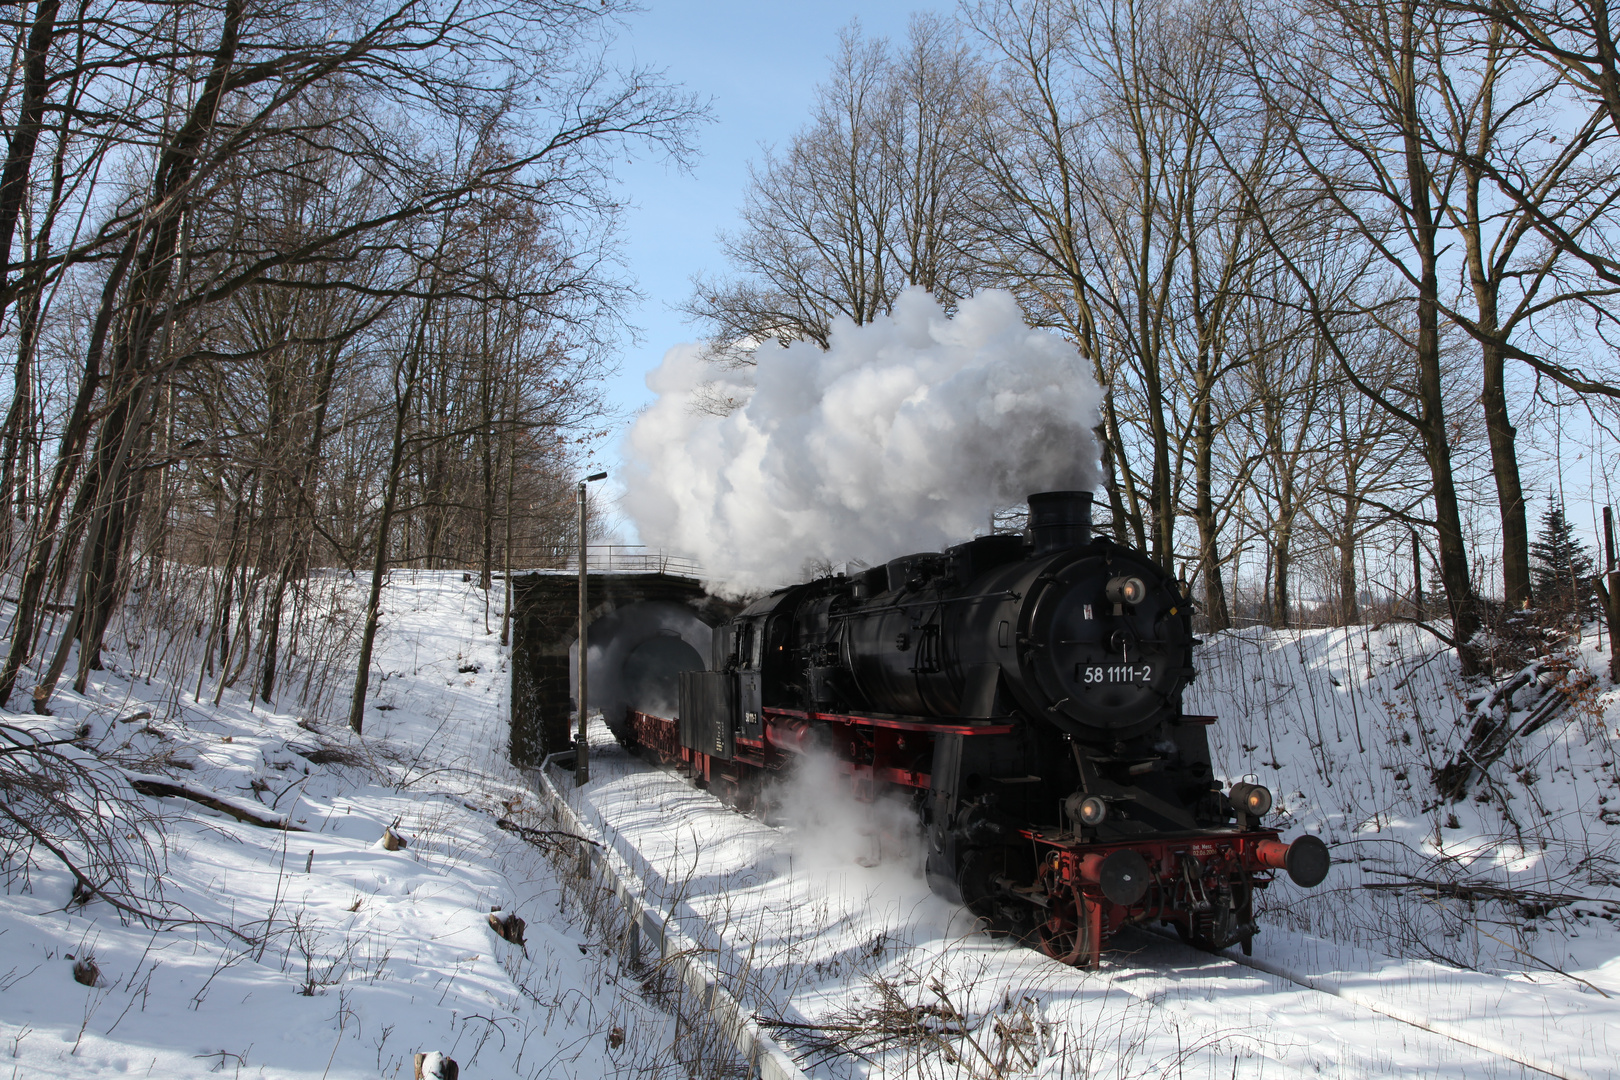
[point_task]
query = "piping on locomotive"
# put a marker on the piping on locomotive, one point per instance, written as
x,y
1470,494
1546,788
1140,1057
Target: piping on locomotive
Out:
x,y
1026,693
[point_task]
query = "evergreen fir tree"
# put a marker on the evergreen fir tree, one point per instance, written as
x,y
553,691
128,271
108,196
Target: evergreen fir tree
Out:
x,y
1559,562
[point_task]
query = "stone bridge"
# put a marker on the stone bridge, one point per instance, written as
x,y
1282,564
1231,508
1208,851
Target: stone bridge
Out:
x,y
642,627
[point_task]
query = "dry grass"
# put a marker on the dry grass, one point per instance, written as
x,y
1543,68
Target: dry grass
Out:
x,y
891,1023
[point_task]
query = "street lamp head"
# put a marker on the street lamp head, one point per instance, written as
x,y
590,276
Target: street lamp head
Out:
x,y
596,476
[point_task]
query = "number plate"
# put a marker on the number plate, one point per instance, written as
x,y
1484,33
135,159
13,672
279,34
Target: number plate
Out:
x,y
1113,674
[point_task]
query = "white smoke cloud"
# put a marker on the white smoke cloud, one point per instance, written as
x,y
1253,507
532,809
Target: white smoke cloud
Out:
x,y
903,436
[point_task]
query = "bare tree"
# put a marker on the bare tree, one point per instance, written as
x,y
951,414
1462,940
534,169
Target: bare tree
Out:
x,y
1511,136
1107,208
1287,381
1031,215
193,262
866,200
1576,40
1350,80
937,88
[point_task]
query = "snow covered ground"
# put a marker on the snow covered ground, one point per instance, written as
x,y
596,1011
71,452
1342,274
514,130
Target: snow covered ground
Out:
x,y
317,953
1519,877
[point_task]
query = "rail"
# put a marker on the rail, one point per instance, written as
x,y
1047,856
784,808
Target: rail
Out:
x,y
1340,988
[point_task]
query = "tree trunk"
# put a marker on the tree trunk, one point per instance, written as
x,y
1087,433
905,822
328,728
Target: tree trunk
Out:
x,y
486,438
1122,497
297,554
106,489
272,631
1215,605
131,376
379,564
1430,388
1282,563
1163,494
114,469
75,434
17,431
1349,599
106,545
24,136
1509,489
1493,397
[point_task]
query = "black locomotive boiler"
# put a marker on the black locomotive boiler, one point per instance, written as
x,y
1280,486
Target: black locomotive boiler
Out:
x,y
1026,693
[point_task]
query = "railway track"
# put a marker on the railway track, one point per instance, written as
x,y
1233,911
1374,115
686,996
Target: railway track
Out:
x,y
1167,954
803,918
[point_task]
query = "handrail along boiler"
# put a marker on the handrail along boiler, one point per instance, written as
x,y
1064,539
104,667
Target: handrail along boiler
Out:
x,y
1026,691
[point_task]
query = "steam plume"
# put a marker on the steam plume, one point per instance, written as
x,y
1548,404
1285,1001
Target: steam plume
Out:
x,y
903,436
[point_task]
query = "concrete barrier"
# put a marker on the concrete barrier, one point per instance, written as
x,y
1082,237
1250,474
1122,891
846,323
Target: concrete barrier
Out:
x,y
766,1058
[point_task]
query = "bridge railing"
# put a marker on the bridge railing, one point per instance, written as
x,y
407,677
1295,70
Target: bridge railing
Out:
x,y
624,558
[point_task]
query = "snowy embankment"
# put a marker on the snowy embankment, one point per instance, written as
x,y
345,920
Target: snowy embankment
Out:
x,y
823,924
313,951
1516,872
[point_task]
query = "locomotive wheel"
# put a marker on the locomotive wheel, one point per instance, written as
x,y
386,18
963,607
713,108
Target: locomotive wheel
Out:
x,y
1063,935
1066,934
975,878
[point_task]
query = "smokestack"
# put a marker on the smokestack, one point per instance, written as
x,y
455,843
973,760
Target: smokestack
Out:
x,y
1058,520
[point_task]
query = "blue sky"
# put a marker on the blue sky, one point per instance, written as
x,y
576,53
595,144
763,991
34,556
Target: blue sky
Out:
x,y
759,64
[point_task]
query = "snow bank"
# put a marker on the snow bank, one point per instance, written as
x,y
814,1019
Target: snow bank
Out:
x,y
318,953
1348,726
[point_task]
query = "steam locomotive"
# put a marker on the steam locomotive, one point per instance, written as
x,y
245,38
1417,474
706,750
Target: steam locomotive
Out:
x,y
1025,693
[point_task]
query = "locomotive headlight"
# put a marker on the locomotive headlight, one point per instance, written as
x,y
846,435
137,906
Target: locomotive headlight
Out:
x,y
1125,590
1093,811
1251,799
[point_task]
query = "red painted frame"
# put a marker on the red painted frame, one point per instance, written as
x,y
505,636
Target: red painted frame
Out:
x,y
871,750
1068,874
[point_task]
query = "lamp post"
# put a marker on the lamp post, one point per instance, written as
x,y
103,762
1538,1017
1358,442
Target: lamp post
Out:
x,y
582,744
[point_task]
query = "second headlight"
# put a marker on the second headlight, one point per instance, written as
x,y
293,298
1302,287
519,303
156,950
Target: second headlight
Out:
x,y
1251,799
